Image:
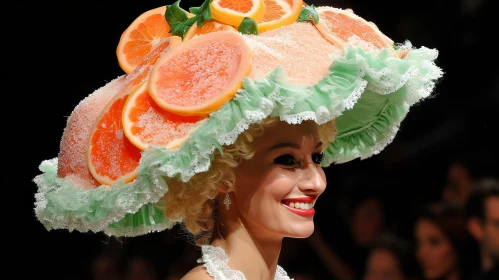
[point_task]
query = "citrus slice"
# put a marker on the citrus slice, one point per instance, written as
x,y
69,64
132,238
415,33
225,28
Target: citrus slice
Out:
x,y
141,36
338,26
232,12
73,152
142,70
279,13
207,27
72,158
145,123
110,155
201,74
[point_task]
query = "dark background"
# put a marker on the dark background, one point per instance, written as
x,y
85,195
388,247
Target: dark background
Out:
x,y
63,52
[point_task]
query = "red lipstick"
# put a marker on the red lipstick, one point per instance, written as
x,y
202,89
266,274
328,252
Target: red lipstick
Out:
x,y
302,212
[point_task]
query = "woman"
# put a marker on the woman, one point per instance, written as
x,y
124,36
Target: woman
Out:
x,y
391,258
171,142
441,237
283,180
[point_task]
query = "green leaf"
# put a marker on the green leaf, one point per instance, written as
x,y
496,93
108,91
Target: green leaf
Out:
x,y
205,6
175,15
194,10
179,21
308,13
395,47
205,12
182,28
248,26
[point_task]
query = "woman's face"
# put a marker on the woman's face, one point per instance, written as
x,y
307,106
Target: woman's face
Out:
x,y
276,189
383,265
434,251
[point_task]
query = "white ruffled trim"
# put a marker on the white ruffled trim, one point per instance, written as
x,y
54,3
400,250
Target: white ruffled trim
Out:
x,y
215,261
122,207
132,232
250,117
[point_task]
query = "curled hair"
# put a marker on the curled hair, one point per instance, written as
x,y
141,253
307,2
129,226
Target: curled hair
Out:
x,y
193,202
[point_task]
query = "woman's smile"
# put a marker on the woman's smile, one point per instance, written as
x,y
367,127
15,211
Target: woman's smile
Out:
x,y
303,206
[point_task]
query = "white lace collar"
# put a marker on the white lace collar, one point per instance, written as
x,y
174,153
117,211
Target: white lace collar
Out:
x,y
215,261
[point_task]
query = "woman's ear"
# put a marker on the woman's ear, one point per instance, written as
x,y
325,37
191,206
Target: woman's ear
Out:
x,y
475,228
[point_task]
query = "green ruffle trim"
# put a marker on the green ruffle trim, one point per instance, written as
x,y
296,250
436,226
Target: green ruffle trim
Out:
x,y
367,93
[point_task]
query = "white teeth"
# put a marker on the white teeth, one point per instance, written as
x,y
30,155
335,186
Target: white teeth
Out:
x,y
301,205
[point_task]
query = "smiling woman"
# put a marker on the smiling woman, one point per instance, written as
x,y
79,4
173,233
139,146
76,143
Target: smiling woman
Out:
x,y
270,193
284,181
227,131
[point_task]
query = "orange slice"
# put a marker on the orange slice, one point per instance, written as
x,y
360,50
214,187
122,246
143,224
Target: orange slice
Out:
x,y
72,157
338,25
141,36
232,12
201,74
142,70
110,155
279,13
73,162
145,123
206,27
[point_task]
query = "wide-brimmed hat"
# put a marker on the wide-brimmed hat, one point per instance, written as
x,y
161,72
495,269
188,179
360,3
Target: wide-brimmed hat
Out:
x,y
195,90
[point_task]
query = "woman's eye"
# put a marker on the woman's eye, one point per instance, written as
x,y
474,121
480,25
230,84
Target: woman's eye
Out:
x,y
288,160
317,158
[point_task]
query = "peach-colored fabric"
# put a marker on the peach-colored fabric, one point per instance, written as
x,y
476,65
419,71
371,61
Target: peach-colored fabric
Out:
x,y
299,48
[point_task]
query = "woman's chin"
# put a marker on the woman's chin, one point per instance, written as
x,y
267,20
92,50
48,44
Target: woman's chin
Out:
x,y
303,230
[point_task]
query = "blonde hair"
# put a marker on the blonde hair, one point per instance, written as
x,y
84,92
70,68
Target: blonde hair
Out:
x,y
193,203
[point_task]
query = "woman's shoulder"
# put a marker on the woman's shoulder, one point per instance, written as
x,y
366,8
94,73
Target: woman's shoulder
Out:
x,y
197,273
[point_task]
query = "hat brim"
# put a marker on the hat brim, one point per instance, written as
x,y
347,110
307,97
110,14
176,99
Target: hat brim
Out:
x,y
367,93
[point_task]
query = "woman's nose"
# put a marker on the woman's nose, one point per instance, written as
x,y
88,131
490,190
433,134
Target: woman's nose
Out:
x,y
313,180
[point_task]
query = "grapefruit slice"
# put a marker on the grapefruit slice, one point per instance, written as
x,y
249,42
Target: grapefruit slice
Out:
x,y
338,26
110,155
201,74
142,70
141,36
145,123
232,12
279,13
73,158
206,27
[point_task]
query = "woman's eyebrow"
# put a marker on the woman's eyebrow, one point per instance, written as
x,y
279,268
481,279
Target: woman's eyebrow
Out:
x,y
290,145
284,145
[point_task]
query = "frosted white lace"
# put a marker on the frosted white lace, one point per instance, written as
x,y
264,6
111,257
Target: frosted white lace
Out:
x,y
215,261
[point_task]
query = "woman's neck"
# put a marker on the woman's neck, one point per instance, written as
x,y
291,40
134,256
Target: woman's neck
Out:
x,y
252,252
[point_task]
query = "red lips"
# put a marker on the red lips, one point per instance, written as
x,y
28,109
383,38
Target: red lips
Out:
x,y
302,212
305,199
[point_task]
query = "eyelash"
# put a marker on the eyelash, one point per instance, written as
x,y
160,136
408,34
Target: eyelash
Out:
x,y
289,160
